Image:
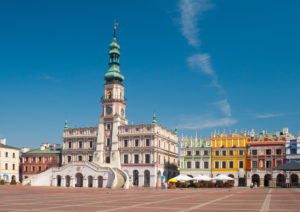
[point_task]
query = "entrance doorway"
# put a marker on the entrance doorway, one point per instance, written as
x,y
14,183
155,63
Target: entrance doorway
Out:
x,y
256,180
136,177
79,180
267,180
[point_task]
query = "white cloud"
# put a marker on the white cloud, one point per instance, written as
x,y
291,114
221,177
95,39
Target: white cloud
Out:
x,y
49,78
192,123
190,11
201,62
224,107
269,115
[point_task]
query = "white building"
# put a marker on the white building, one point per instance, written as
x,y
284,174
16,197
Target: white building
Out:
x,y
94,156
9,162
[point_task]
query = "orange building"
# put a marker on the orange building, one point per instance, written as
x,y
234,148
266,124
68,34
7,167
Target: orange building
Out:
x,y
229,153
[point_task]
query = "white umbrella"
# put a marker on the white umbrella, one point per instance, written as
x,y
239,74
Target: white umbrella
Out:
x,y
182,177
202,178
222,177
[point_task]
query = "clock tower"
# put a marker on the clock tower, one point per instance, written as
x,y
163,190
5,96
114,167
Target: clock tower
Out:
x,y
113,111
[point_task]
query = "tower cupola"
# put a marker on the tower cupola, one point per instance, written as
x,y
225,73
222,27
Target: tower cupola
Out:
x,y
114,64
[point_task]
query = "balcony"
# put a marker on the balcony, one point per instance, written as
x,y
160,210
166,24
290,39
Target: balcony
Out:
x,y
108,100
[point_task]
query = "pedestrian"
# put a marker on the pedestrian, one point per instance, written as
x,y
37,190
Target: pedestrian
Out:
x,y
251,185
156,185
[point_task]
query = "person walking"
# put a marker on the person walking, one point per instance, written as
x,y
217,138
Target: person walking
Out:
x,y
156,185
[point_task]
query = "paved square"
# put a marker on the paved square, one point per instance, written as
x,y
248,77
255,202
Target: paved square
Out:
x,y
25,198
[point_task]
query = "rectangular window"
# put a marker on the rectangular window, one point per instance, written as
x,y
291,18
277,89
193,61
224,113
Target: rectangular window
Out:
x,y
108,126
79,158
254,152
33,168
147,142
14,155
91,144
33,159
80,144
136,158
26,159
224,153
90,158
26,168
39,168
69,158
197,165
189,153
205,152
125,143
70,144
108,142
125,158
254,164
223,164
40,159
241,152
197,152
216,164
217,153
13,166
6,154
6,166
278,151
231,164
241,164
268,152
231,152
136,142
268,164
46,158
278,162
147,158
189,165
206,165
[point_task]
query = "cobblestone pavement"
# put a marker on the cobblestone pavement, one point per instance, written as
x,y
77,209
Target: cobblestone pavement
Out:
x,y
26,198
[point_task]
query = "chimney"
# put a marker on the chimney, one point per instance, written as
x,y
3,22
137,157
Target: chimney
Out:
x,y
3,141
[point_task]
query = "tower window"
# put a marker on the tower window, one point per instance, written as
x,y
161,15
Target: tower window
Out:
x,y
125,143
108,126
70,144
91,144
108,142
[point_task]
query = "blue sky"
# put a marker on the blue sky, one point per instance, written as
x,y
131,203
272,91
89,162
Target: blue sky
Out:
x,y
201,65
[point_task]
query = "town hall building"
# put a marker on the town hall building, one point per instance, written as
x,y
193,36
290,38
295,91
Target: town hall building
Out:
x,y
114,154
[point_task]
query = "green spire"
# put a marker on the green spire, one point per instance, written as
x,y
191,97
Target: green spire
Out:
x,y
66,125
176,131
154,119
114,65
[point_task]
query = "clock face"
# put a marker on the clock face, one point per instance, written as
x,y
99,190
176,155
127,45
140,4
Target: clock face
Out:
x,y
122,112
108,110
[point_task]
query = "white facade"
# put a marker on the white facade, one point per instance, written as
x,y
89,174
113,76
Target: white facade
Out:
x,y
9,162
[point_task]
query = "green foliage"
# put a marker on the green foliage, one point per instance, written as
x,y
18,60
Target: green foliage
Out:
x,y
2,182
197,185
186,185
13,182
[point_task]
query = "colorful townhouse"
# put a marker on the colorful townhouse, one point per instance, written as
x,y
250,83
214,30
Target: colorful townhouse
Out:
x,y
39,160
292,149
229,154
265,152
195,157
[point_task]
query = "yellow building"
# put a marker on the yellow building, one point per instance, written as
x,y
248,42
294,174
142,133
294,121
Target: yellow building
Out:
x,y
229,153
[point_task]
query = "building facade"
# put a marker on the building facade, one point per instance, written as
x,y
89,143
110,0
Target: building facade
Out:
x,y
9,162
265,152
229,153
148,152
195,157
39,160
292,149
